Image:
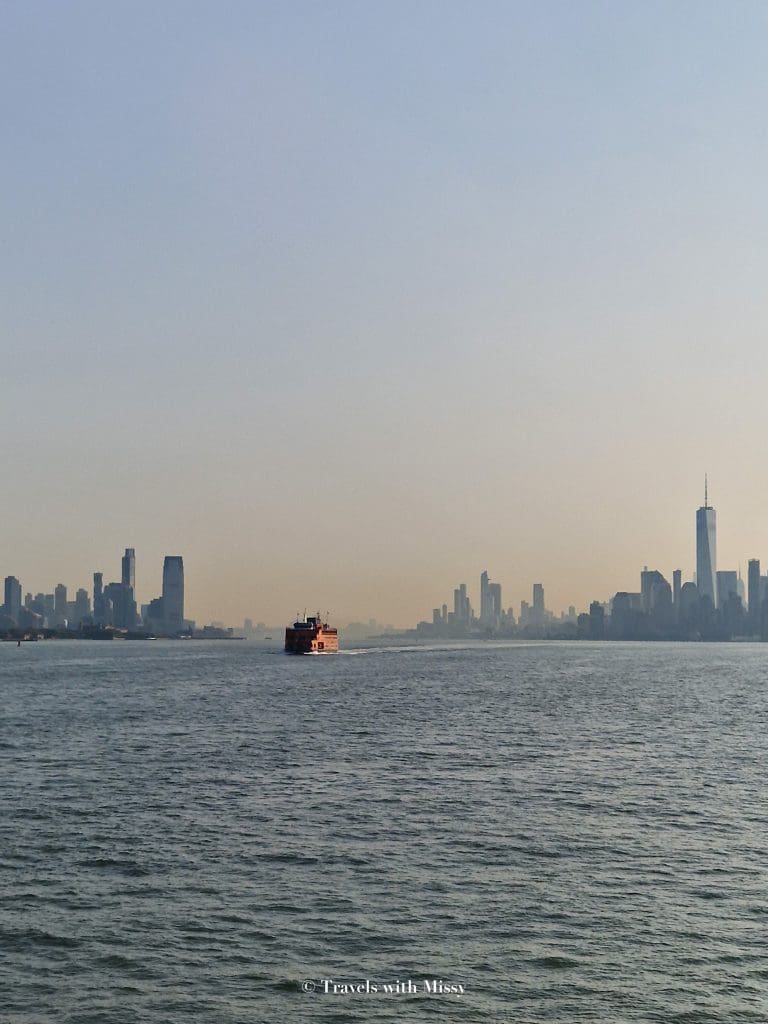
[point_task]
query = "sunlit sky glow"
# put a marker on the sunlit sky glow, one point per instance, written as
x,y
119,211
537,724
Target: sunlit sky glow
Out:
x,y
347,302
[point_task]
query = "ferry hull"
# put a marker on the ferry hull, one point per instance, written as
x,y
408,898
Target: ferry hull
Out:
x,y
311,637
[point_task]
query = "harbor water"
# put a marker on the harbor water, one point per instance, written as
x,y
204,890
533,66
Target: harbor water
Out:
x,y
219,833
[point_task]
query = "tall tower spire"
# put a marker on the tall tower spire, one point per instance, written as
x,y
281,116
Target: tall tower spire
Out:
x,y
706,557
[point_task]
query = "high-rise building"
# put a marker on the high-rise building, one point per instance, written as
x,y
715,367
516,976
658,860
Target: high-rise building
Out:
x,y
154,615
727,585
677,586
706,551
12,598
99,610
596,621
120,605
81,607
656,598
490,603
484,598
498,611
44,605
753,595
689,607
129,569
60,604
653,588
462,610
173,592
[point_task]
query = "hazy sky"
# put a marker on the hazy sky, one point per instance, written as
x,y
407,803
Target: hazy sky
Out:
x,y
346,302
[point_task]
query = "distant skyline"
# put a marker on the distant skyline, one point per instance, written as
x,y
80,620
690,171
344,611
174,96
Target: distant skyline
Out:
x,y
492,610
348,303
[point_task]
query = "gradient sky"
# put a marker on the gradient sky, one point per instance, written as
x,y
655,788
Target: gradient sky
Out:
x,y
346,302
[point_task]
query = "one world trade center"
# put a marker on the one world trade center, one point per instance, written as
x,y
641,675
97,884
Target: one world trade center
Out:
x,y
706,551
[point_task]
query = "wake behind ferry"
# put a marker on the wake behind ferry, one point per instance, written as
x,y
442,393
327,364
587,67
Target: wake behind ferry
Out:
x,y
311,636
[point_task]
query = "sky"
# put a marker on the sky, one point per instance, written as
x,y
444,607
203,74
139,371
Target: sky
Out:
x,y
346,302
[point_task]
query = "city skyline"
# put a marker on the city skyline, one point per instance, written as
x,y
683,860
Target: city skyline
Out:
x,y
168,610
717,603
111,606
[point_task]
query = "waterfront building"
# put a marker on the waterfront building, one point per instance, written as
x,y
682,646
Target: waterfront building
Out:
x,y
623,616
596,621
706,551
753,595
99,609
120,606
13,605
727,585
490,603
154,615
129,569
498,611
48,608
173,593
656,598
688,616
60,604
677,585
81,607
648,579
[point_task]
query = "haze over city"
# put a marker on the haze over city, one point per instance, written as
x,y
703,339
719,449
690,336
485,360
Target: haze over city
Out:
x,y
347,304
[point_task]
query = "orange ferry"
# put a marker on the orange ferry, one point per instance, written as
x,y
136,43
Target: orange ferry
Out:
x,y
312,636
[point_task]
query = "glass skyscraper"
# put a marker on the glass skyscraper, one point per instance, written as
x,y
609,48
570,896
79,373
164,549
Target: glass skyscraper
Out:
x,y
706,552
129,569
173,592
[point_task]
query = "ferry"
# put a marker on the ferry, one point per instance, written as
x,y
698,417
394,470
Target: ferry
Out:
x,y
311,636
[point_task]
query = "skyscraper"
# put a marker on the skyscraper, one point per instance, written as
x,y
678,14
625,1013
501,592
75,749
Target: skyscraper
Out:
x,y
462,610
753,595
129,569
706,551
490,602
12,598
485,598
727,585
120,605
173,592
655,592
82,607
498,611
98,599
60,604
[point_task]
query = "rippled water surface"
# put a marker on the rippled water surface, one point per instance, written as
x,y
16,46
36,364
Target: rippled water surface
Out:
x,y
190,831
